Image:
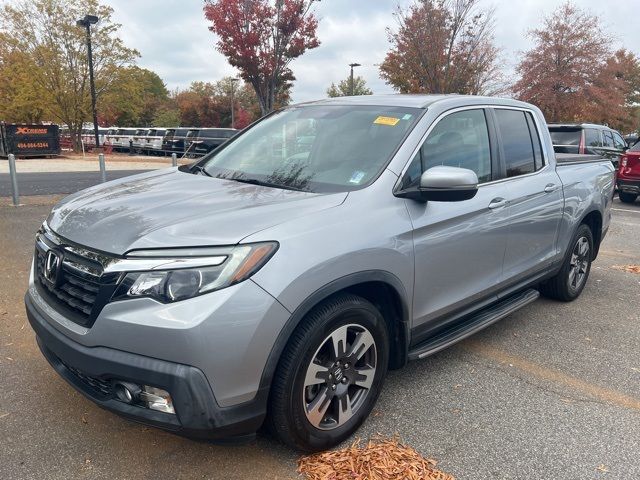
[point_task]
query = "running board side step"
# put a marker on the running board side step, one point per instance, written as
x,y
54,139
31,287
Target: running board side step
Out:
x,y
473,324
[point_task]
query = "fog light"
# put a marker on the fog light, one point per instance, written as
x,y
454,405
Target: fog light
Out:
x,y
157,399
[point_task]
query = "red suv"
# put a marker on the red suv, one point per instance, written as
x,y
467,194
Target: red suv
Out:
x,y
629,175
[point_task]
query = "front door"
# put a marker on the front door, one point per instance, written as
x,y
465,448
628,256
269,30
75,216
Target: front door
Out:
x,y
459,246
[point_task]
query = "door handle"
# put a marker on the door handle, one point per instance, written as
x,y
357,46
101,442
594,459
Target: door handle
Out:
x,y
497,203
551,187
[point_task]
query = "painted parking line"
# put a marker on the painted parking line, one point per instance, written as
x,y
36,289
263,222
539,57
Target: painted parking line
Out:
x,y
625,210
557,377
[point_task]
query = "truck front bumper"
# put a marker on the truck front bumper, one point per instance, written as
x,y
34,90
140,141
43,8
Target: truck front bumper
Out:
x,y
94,371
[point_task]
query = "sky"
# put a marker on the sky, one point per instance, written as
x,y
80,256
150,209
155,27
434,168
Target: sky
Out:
x,y
173,39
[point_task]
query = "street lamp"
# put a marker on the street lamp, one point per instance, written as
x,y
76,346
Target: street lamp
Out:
x,y
233,88
351,86
86,22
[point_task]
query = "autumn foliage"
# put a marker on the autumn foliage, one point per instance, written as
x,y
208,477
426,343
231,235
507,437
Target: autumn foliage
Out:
x,y
442,46
572,75
261,38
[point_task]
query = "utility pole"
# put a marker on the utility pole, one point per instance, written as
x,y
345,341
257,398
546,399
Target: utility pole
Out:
x,y
351,85
86,22
233,115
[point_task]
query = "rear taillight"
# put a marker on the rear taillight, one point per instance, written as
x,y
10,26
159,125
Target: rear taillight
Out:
x,y
581,147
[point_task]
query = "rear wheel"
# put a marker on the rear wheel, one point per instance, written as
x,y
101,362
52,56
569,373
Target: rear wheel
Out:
x,y
330,375
627,197
568,284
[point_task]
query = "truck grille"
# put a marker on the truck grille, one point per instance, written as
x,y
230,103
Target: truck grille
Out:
x,y
79,290
74,291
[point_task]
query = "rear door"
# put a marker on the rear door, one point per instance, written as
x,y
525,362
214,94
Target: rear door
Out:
x,y
534,194
459,246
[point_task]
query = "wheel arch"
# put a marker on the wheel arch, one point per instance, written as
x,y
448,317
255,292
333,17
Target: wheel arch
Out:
x,y
381,288
593,220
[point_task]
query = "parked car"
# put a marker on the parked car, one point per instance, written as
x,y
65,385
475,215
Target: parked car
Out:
x,y
208,139
588,138
139,139
631,139
153,140
270,280
189,138
173,140
628,178
122,137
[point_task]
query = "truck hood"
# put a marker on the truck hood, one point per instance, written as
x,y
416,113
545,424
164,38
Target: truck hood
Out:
x,y
171,208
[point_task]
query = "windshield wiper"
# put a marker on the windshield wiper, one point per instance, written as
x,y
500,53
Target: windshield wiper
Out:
x,y
255,181
198,169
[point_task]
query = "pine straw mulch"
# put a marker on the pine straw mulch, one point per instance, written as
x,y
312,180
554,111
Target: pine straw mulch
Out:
x,y
379,459
628,268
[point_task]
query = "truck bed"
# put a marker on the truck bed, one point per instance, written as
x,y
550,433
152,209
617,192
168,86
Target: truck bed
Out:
x,y
573,158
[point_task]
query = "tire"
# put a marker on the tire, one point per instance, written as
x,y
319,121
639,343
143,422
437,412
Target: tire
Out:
x,y
627,197
568,284
343,388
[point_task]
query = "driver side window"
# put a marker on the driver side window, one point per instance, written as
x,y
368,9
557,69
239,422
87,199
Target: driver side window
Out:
x,y
460,139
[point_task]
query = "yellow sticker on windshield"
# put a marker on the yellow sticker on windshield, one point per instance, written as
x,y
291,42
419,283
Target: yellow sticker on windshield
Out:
x,y
391,121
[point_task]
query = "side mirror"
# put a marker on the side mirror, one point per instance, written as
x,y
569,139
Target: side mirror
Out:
x,y
448,184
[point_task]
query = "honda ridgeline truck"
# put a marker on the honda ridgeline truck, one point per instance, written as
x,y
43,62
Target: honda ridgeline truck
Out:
x,y
277,279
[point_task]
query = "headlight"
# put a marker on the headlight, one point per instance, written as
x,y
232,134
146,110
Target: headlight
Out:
x,y
168,282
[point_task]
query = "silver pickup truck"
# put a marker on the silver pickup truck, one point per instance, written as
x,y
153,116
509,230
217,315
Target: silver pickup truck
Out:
x,y
277,279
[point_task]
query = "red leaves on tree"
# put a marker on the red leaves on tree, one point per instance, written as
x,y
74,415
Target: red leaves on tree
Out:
x,y
261,39
442,47
571,75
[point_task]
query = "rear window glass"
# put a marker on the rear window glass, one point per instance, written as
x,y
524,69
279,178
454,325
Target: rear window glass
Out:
x,y
635,148
517,143
565,136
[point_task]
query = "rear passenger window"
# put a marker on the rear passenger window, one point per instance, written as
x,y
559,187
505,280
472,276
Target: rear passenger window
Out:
x,y
607,138
535,140
460,139
619,143
592,137
517,144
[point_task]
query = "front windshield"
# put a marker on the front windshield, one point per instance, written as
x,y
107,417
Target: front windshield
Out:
x,y
316,148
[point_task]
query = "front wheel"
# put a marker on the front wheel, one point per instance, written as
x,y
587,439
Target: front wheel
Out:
x,y
627,197
568,284
330,374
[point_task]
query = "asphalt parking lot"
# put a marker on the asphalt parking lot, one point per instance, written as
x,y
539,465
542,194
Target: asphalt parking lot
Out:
x,y
551,392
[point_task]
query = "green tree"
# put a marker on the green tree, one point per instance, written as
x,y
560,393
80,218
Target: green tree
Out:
x,y
167,116
135,96
21,99
46,31
343,89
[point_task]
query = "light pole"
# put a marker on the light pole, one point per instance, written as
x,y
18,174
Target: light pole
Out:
x,y
351,86
233,115
86,22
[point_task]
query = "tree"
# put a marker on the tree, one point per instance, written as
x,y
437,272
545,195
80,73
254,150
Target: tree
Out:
x,y
261,38
614,95
134,97
343,89
167,116
46,32
442,46
21,99
558,73
206,104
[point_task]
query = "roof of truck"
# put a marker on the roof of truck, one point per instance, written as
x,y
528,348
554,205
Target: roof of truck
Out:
x,y
412,100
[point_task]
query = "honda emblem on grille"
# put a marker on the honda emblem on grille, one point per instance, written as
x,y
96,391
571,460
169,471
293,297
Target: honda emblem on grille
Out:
x,y
52,264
